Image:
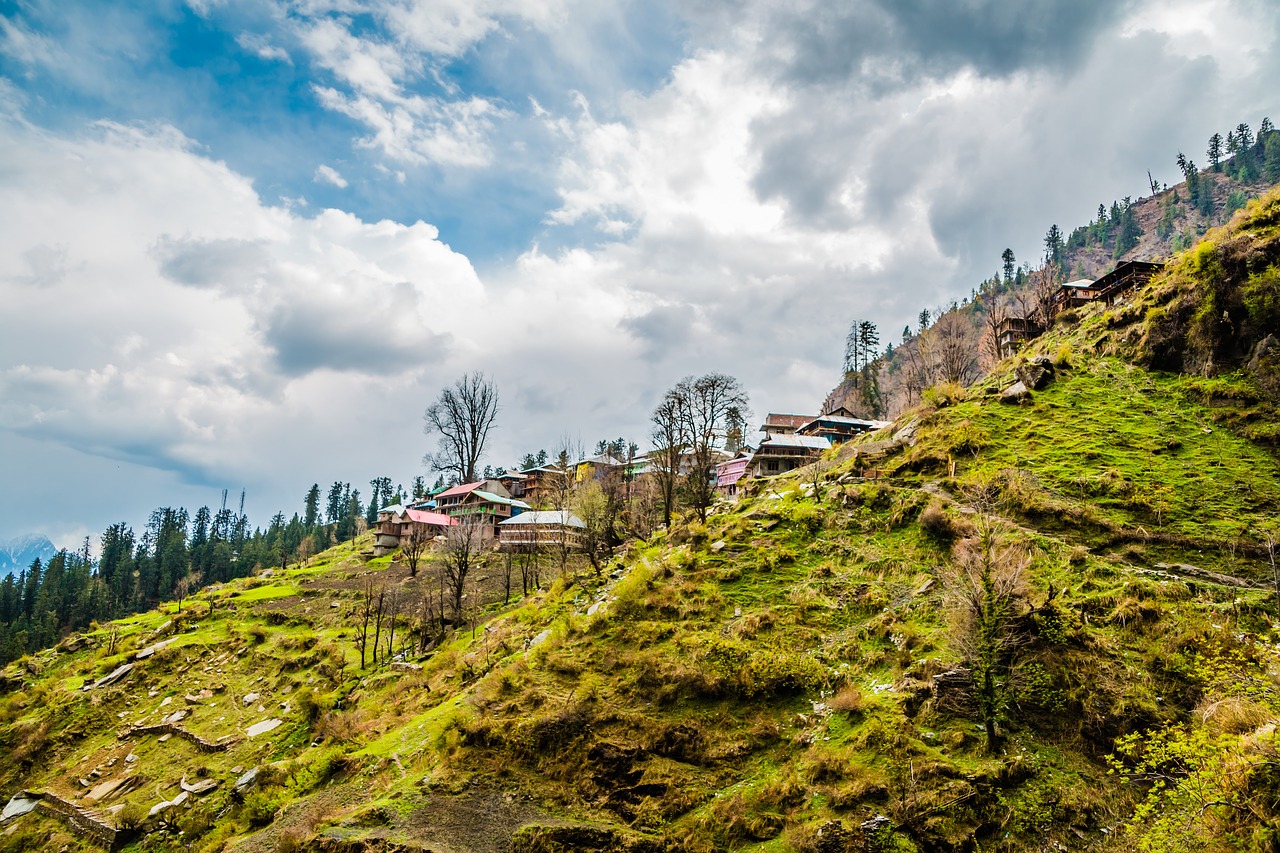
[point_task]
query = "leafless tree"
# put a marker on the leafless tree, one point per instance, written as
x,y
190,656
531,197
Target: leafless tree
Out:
x,y
561,487
414,545
953,348
710,399
592,507
366,616
1043,287
463,415
185,586
992,320
379,611
393,614
463,544
669,447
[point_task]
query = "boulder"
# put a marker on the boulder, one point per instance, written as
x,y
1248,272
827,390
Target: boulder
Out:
x,y
1036,373
19,805
247,780
203,786
263,727
1015,394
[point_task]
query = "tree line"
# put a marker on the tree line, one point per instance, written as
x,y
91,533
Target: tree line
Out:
x,y
176,553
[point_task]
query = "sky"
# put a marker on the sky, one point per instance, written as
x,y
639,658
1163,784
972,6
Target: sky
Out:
x,y
246,243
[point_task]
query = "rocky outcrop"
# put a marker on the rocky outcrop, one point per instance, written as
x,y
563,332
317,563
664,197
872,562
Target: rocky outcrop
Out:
x,y
1036,373
1015,394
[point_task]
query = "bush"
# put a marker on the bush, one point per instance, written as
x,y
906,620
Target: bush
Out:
x,y
938,523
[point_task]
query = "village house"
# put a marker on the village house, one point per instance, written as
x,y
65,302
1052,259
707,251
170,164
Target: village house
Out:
x,y
1012,334
486,501
540,529
838,425
540,484
776,424
778,454
1124,278
1073,294
729,472
513,482
598,467
397,523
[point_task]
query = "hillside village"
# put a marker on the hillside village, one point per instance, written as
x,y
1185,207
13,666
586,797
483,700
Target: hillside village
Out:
x,y
1037,612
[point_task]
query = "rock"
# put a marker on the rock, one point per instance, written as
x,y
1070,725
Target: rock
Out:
x,y
1036,373
176,717
249,698
114,676
166,701
130,758
159,809
907,435
180,799
247,779
106,790
540,638
1265,347
263,727
18,805
402,666
164,737
204,786
717,546
1015,393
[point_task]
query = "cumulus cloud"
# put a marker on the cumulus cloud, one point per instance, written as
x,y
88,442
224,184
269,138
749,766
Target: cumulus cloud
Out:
x,y
188,310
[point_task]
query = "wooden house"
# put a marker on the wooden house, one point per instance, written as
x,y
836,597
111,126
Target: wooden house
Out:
x,y
1073,294
778,454
485,501
1012,334
839,425
729,472
540,529
1125,277
395,523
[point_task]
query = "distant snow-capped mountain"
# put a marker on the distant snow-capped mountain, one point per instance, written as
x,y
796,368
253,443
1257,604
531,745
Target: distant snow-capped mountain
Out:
x,y
17,553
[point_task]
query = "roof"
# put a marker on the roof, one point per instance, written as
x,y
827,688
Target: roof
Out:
x,y
498,499
1080,284
794,421
511,475
464,488
604,459
436,518
394,509
545,516
840,419
811,442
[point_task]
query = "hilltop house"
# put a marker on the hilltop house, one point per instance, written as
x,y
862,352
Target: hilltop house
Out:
x,y
485,501
540,529
776,424
778,454
396,522
729,472
838,425
1012,333
1125,277
1073,294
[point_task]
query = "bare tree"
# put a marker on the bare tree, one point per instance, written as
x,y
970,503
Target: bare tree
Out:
x,y
705,417
462,546
668,443
953,348
393,614
1043,287
592,507
184,587
379,611
366,616
414,545
992,320
463,415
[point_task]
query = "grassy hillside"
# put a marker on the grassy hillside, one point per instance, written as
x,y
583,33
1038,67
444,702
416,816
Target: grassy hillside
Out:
x,y
808,671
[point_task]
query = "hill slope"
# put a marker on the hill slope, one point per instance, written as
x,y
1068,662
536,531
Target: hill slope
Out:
x,y
941,656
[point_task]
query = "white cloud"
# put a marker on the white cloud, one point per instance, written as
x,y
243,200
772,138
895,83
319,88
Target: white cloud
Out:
x,y
262,47
329,175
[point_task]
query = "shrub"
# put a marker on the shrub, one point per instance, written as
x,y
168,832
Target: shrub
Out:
x,y
848,701
938,523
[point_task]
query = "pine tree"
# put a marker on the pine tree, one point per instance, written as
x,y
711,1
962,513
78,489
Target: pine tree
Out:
x,y
312,503
1215,152
1010,264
